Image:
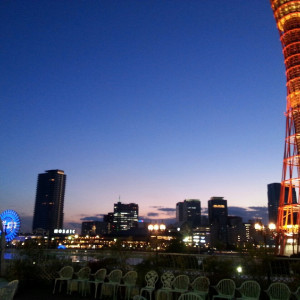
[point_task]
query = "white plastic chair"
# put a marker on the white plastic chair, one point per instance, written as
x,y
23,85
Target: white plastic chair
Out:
x,y
81,282
200,286
278,291
249,290
166,279
138,297
151,279
225,289
129,282
180,284
7,292
65,274
99,278
110,288
190,296
297,293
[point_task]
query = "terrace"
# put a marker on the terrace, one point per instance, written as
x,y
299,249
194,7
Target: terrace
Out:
x,y
37,269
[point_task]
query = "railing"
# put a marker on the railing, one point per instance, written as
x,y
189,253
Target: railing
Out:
x,y
46,263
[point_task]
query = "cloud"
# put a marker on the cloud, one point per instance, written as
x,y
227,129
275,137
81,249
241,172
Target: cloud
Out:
x,y
152,214
167,209
91,218
250,213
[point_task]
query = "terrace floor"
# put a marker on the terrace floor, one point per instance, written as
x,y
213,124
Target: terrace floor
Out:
x,y
45,293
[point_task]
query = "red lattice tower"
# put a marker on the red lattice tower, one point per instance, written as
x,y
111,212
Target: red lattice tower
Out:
x,y
287,16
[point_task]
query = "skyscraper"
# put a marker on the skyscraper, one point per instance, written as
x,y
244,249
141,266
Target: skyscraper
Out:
x,y
218,219
125,216
189,211
179,212
273,201
49,201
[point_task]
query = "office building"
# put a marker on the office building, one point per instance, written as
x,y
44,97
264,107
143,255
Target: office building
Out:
x,y
93,228
189,211
125,216
49,202
179,212
218,219
235,230
109,222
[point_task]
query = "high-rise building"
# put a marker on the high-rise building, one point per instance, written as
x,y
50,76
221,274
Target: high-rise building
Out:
x,y
273,200
218,219
125,216
235,230
49,201
189,211
179,212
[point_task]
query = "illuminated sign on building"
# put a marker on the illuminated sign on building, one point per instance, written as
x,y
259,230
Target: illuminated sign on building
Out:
x,y
218,206
64,231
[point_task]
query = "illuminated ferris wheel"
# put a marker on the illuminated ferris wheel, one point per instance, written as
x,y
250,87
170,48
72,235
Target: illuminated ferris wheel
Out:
x,y
10,224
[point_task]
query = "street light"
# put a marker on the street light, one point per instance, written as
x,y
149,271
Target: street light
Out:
x,y
261,229
272,226
156,229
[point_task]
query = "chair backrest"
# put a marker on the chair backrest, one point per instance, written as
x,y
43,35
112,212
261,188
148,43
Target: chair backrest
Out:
x,y
130,277
7,292
167,279
139,297
278,290
115,276
84,273
297,293
250,288
151,278
200,284
66,272
100,275
226,287
190,296
181,282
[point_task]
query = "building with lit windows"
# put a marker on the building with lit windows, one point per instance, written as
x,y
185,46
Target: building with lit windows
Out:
x,y
235,230
49,202
189,211
125,216
218,219
93,228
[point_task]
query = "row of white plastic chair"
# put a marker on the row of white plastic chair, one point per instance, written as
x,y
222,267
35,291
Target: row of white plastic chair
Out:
x,y
114,281
8,291
199,288
171,284
110,284
250,289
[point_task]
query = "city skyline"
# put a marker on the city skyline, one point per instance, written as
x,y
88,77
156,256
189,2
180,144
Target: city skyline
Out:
x,y
156,102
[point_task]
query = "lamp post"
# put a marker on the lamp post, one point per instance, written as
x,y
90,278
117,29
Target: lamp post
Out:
x,y
265,231
156,229
261,229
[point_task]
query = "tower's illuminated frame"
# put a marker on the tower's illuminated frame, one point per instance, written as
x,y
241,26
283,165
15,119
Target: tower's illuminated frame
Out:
x,y
287,16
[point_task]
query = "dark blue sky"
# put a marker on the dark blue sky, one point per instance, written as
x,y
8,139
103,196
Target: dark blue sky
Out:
x,y
153,101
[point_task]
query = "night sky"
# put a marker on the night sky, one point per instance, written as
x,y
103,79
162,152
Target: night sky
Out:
x,y
152,101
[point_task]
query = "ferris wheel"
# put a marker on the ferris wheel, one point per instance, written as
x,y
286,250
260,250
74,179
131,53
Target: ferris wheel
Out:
x,y
10,224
